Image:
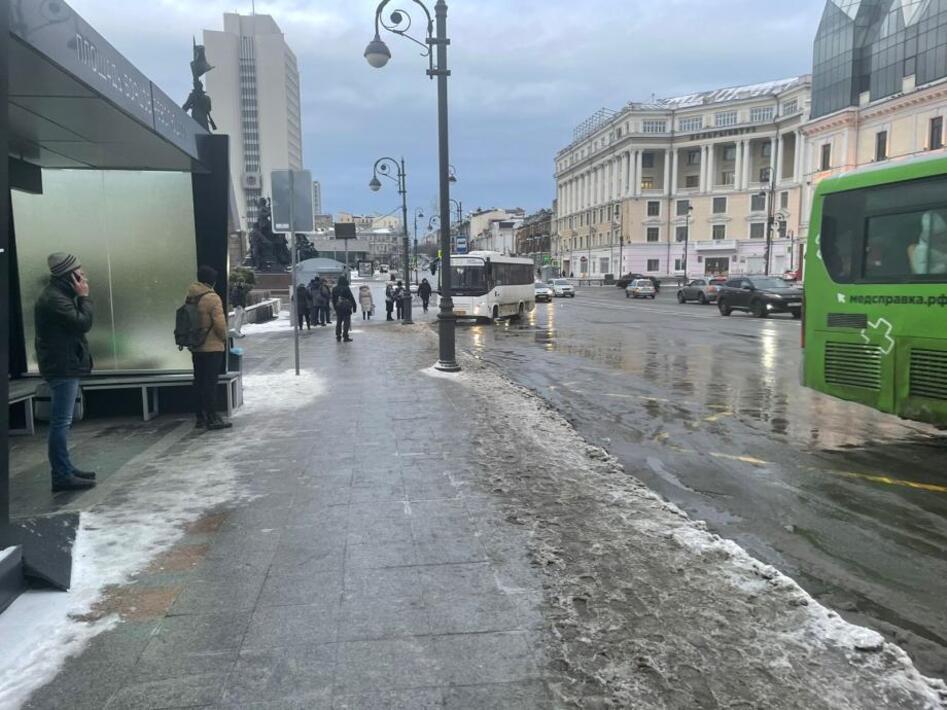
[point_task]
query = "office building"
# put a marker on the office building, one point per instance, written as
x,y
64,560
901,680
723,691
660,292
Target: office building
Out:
x,y
254,87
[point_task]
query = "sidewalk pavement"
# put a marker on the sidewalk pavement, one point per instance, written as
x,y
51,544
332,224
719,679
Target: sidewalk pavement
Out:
x,y
373,535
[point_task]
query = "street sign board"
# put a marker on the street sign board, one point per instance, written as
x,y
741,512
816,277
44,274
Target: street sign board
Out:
x,y
292,199
461,246
345,230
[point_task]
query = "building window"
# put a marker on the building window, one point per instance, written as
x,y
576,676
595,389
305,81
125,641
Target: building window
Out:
x,y
647,160
647,183
761,114
881,146
765,175
654,234
687,125
937,133
654,208
681,234
692,181
757,230
693,157
790,107
683,208
784,200
782,228
720,205
617,210
826,161
730,153
651,126
767,149
728,177
678,264
654,265
723,119
603,265
758,202
720,231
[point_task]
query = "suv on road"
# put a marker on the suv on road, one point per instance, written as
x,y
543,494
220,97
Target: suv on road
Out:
x,y
640,288
760,295
701,290
627,279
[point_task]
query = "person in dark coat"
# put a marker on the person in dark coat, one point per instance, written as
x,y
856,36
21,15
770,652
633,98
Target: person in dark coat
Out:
x,y
313,288
63,316
303,305
343,301
389,298
424,291
322,298
399,300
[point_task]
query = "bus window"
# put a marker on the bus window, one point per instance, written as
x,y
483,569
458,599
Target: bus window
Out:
x,y
900,246
837,240
929,255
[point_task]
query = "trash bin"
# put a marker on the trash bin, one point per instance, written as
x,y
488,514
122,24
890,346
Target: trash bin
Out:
x,y
235,360
609,279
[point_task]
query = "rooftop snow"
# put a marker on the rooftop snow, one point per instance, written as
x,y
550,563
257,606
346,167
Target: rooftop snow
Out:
x,y
716,96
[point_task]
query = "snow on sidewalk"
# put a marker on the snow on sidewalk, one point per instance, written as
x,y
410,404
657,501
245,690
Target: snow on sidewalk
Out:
x,y
649,608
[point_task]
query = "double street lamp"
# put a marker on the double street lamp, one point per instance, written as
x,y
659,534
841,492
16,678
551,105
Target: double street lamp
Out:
x,y
435,42
385,167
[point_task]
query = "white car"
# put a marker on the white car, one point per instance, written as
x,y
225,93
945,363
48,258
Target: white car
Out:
x,y
562,288
543,292
640,288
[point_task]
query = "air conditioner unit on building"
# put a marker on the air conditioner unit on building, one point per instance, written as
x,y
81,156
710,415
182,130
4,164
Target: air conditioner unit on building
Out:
x,y
252,181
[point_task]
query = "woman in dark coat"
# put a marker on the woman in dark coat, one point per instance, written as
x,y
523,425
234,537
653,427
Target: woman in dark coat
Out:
x,y
424,291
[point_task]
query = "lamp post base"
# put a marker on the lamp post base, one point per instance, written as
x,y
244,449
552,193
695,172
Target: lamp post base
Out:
x,y
407,308
447,328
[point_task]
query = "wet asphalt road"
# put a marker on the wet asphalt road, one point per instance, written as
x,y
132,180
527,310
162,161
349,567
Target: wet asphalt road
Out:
x,y
708,412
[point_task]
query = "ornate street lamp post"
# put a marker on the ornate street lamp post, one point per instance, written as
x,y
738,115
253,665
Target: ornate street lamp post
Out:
x,y
418,214
384,167
378,54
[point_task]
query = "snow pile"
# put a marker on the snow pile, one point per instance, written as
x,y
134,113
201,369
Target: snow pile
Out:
x,y
280,324
649,608
155,496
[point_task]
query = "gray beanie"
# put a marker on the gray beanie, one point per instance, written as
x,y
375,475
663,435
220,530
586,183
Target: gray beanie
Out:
x,y
61,264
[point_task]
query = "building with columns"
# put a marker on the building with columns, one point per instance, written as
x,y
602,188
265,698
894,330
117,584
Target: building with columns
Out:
x,y
686,186
879,88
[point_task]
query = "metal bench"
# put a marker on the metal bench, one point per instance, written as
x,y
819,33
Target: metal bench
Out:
x,y
23,392
151,385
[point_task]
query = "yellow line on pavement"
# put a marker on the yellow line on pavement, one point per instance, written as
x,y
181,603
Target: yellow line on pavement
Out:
x,y
743,459
887,480
717,417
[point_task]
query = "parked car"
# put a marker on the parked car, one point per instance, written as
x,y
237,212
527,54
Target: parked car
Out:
x,y
625,280
700,290
561,288
543,292
760,295
640,288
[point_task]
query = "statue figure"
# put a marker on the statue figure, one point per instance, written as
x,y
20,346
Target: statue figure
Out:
x,y
267,250
198,103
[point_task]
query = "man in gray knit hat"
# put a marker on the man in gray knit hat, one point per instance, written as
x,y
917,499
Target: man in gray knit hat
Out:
x,y
63,316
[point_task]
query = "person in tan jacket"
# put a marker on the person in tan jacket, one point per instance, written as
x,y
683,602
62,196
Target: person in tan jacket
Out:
x,y
208,358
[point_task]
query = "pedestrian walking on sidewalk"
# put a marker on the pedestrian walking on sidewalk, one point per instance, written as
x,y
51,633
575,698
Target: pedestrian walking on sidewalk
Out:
x,y
343,300
389,298
208,356
313,288
303,305
322,299
399,300
63,316
366,301
424,291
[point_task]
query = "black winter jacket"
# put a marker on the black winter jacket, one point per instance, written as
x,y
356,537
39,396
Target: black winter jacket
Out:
x,y
62,320
343,297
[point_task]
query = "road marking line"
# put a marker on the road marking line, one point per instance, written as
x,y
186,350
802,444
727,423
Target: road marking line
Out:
x,y
887,480
717,417
743,459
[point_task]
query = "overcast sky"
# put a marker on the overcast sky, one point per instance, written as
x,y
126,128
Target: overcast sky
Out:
x,y
525,72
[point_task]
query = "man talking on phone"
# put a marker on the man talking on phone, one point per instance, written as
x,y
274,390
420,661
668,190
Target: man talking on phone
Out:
x,y
63,316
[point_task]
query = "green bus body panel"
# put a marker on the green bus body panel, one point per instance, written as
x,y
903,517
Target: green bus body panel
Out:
x,y
906,333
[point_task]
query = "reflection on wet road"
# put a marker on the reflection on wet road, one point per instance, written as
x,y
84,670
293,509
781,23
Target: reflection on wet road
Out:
x,y
708,411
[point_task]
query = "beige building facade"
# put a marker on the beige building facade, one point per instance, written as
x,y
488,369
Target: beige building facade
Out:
x,y
686,186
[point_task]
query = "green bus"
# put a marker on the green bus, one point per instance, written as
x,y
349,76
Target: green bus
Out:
x,y
875,319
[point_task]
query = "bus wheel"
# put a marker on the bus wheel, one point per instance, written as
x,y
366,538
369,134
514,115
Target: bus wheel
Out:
x,y
520,312
797,314
723,308
496,313
758,309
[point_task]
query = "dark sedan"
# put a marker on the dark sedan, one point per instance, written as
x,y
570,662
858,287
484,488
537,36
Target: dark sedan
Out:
x,y
760,295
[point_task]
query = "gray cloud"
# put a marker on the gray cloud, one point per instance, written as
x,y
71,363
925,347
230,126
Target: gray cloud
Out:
x,y
524,74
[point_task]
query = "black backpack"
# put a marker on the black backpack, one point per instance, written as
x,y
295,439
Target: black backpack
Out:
x,y
188,332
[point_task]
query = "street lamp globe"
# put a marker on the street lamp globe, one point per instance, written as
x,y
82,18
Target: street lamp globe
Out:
x,y
377,53
375,184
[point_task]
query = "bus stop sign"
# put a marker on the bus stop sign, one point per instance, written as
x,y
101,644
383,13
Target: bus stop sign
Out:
x,y
461,245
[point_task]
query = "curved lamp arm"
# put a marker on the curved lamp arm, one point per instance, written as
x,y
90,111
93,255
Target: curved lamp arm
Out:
x,y
399,23
386,167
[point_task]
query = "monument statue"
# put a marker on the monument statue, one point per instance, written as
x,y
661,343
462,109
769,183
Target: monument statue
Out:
x,y
198,103
268,251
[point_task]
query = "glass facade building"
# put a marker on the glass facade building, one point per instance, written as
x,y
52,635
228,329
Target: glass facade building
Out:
x,y
873,46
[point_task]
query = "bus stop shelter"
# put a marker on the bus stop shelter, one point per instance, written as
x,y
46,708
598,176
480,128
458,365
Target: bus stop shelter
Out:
x,y
104,164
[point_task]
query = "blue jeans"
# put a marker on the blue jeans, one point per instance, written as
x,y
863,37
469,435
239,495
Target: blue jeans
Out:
x,y
64,391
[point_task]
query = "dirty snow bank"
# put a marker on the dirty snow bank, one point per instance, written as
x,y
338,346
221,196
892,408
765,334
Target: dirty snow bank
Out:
x,y
155,496
651,610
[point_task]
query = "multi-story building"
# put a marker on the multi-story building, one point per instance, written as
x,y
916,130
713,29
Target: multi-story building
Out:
x,y
708,175
254,88
533,237
316,199
494,230
879,86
